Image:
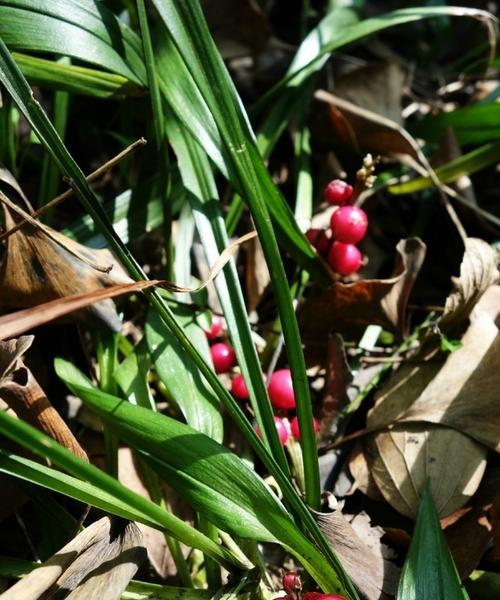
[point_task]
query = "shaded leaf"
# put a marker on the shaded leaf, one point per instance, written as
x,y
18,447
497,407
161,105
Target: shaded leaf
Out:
x,y
99,562
349,308
402,459
23,394
429,571
362,555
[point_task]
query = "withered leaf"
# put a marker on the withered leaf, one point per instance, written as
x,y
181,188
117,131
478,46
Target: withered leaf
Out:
x,y
349,308
461,393
98,563
478,271
404,457
361,553
23,394
40,264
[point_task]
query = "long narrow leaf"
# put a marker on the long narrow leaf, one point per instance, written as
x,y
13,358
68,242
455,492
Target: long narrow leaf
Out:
x,y
93,486
429,571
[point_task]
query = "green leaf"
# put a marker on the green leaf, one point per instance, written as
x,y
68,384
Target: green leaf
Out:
x,y
132,376
472,125
178,372
211,478
90,485
75,79
82,29
469,163
429,571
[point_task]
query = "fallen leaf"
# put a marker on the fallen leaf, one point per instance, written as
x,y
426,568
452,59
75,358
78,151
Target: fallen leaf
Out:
x,y
22,393
348,308
363,479
365,110
97,563
337,378
462,393
478,271
257,276
403,458
41,264
361,553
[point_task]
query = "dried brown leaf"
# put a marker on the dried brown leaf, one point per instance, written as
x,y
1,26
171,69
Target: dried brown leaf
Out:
x,y
363,479
98,563
478,271
361,553
403,458
349,308
22,393
257,276
40,264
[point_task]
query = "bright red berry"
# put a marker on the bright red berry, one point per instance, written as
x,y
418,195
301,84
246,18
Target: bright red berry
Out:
x,y
319,239
223,357
239,388
281,428
349,224
344,259
280,389
294,426
216,328
337,192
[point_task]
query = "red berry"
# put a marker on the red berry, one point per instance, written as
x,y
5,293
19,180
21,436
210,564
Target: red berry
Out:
x,y
216,328
319,239
239,388
349,224
223,357
344,258
294,425
280,389
291,582
337,192
280,427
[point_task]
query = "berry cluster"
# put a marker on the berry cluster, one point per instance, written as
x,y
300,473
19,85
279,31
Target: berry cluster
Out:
x,y
348,225
279,387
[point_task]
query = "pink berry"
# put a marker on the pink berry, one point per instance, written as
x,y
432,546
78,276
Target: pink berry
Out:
x,y
280,427
344,259
239,388
280,389
223,357
337,192
294,426
319,239
214,331
349,224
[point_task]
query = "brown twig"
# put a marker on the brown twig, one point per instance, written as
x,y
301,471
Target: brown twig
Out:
x,y
69,192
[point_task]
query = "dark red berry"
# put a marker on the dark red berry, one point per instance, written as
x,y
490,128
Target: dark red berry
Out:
x,y
239,388
294,426
349,224
320,239
223,357
344,259
216,328
280,389
337,192
291,582
281,428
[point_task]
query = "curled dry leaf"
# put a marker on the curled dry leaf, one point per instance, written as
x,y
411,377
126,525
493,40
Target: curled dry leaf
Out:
x,y
403,458
361,553
98,563
478,272
22,393
41,264
349,308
